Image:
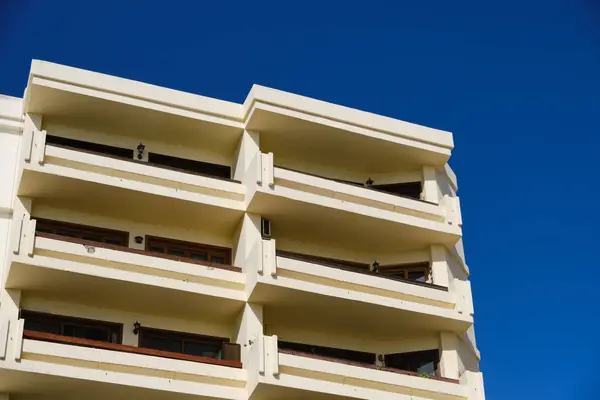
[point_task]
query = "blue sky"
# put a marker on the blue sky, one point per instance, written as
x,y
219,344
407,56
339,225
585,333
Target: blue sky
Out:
x,y
517,82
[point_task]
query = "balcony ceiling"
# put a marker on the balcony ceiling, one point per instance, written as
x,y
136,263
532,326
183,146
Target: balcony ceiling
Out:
x,y
119,295
312,223
317,142
116,202
301,310
93,110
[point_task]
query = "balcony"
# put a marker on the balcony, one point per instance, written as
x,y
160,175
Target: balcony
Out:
x,y
320,209
294,290
78,270
293,375
41,364
119,186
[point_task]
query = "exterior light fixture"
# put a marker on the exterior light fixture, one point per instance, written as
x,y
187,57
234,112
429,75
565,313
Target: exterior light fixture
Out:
x,y
139,239
375,266
369,182
140,150
136,327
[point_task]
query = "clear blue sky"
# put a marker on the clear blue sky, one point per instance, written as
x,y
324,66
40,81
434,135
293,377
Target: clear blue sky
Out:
x,y
517,82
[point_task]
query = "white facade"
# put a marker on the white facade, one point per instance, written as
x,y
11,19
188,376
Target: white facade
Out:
x,y
295,162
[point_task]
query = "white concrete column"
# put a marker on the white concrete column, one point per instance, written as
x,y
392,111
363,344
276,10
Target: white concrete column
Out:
x,y
430,186
19,227
249,335
10,335
248,150
449,364
474,383
247,249
439,265
31,127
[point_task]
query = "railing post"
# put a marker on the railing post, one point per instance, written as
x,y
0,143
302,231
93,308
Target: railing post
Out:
x,y
18,339
269,258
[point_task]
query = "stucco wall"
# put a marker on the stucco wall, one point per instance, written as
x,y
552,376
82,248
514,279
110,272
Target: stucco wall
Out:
x,y
196,325
404,342
43,210
72,131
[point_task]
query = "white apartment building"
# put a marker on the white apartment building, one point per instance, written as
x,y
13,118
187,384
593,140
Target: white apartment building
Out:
x,y
156,244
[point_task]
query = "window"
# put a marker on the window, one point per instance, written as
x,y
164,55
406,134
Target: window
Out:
x,y
204,168
94,234
413,272
340,354
417,361
73,327
176,342
195,251
324,260
408,189
91,147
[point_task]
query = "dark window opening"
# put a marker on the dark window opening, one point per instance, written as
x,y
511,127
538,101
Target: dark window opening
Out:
x,y
186,343
408,189
417,361
195,251
418,272
74,327
183,164
340,354
101,235
91,147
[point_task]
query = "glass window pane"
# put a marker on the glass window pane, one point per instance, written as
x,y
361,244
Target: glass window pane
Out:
x,y
203,349
39,326
158,343
157,249
418,276
176,252
86,332
428,368
199,256
217,260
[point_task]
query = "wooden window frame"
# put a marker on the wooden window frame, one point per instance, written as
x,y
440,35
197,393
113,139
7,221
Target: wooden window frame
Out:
x,y
62,320
54,227
189,166
185,337
332,353
405,269
188,247
90,147
331,262
414,357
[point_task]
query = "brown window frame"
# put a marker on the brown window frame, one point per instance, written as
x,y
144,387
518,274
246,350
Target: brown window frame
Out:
x,y
62,321
224,345
405,269
190,166
331,262
331,353
188,248
90,147
410,361
118,238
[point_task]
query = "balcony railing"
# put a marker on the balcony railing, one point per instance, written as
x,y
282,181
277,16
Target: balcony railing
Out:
x,y
74,341
350,266
364,365
107,246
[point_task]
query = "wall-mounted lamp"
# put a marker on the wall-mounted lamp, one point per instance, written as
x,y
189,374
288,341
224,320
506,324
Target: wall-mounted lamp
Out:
x,y
375,266
139,239
136,327
369,182
140,150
